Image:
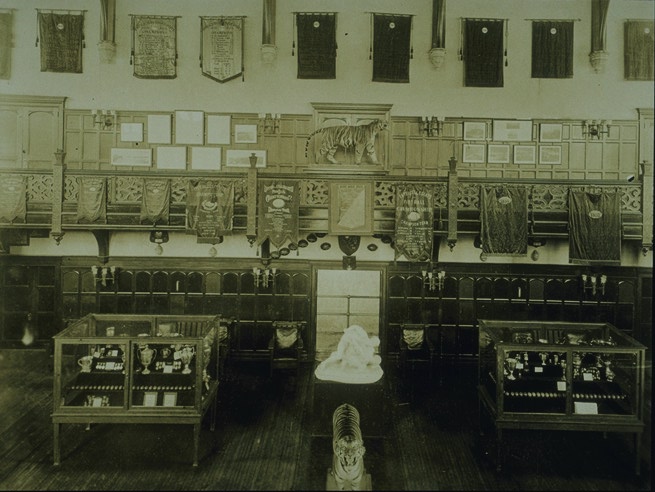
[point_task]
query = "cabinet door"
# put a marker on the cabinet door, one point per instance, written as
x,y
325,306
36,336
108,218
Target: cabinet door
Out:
x,y
10,138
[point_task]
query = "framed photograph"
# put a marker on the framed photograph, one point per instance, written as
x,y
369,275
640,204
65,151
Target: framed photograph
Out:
x,y
473,153
550,154
550,132
170,398
241,158
150,399
131,157
218,129
190,127
524,154
512,131
131,132
245,133
498,154
475,130
351,208
171,158
159,128
206,158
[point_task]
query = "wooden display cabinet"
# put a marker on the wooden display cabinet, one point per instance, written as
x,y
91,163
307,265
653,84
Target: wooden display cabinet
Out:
x,y
136,369
560,376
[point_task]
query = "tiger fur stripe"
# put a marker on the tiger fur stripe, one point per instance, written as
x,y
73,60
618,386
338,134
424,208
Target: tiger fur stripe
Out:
x,y
359,137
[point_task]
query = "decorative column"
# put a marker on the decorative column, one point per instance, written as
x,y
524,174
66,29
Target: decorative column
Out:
x,y
269,50
57,195
251,201
452,203
438,51
647,206
598,56
106,45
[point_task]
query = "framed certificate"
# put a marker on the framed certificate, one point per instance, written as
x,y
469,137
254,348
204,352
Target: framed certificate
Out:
x,y
170,398
150,399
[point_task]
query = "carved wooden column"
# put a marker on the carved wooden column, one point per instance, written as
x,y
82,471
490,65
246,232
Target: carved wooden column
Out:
x,y
452,203
438,51
647,207
269,50
106,45
251,201
57,195
598,56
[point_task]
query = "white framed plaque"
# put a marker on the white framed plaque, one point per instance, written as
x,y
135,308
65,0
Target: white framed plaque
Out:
x,y
131,157
171,158
206,158
159,128
189,127
218,129
512,130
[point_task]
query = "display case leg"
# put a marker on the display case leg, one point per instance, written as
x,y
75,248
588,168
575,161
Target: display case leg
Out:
x,y
56,451
196,443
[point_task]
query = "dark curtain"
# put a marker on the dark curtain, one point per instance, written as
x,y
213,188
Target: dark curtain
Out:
x,y
317,46
552,50
483,53
391,48
61,42
504,220
594,228
6,20
639,49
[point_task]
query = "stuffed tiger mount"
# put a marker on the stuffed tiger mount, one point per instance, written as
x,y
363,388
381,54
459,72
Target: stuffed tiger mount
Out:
x,y
360,138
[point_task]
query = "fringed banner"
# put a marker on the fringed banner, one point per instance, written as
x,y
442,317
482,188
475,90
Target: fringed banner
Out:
x,y
414,222
154,47
13,191
391,47
317,45
594,228
6,34
483,52
278,212
210,209
639,46
552,49
155,203
62,39
91,200
504,220
221,47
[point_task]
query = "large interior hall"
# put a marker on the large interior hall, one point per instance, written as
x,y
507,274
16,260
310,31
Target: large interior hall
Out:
x,y
372,245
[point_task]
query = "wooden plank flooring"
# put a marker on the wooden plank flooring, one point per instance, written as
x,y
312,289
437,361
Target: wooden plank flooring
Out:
x,y
263,441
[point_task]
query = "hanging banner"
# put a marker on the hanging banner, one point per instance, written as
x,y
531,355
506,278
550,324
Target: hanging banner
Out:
x,y
552,49
317,45
155,203
278,212
638,49
91,200
154,47
12,198
6,34
62,38
391,47
210,208
504,220
483,52
414,222
221,47
594,228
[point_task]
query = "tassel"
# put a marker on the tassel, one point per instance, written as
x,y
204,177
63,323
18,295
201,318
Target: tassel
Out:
x,y
131,57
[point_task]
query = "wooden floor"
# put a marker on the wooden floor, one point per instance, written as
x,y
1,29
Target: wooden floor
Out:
x,y
263,441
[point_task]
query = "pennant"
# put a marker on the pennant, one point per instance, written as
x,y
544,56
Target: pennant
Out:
x,y
6,22
552,49
154,47
414,222
391,47
504,220
13,192
483,53
638,50
61,42
221,47
91,199
210,209
155,203
278,212
317,46
594,228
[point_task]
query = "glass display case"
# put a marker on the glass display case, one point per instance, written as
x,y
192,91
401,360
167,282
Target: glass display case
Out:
x,y
560,376
136,369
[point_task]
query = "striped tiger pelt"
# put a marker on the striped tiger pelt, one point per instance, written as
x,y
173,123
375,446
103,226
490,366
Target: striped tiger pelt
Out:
x,y
348,460
359,137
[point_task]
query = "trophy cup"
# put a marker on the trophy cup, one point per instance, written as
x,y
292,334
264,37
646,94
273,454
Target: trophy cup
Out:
x,y
511,367
186,354
146,356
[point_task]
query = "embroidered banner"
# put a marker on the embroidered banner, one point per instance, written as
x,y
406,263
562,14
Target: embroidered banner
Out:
x,y
155,203
278,212
638,49
154,47
414,221
483,53
391,47
210,208
13,192
504,220
6,22
594,228
61,42
552,49
317,45
91,199
221,47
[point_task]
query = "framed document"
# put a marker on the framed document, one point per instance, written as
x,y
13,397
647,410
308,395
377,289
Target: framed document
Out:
x,y
131,157
159,128
550,132
150,399
524,154
131,132
171,158
245,133
473,153
351,208
241,158
218,129
206,158
498,153
550,154
189,127
512,130
170,398
475,130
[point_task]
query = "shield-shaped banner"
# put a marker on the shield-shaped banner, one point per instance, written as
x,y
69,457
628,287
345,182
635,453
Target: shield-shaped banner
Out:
x,y
221,47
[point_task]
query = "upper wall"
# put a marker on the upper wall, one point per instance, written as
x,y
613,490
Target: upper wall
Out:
x,y
277,89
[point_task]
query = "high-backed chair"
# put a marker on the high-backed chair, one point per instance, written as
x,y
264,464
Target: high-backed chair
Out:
x,y
286,345
416,347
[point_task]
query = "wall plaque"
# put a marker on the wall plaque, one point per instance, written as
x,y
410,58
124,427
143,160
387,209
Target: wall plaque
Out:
x,y
221,47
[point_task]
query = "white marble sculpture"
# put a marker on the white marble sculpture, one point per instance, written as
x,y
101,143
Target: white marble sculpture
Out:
x,y
354,361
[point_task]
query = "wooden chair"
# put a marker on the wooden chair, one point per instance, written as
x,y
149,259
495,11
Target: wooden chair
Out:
x,y
286,346
416,347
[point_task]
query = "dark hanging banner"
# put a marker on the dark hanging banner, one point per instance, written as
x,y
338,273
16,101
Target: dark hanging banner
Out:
x,y
210,209
6,35
155,203
278,212
414,222
639,48
552,49
12,198
391,47
317,45
91,200
62,38
221,47
504,220
154,47
594,228
483,53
